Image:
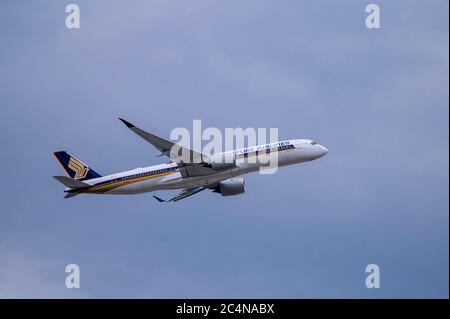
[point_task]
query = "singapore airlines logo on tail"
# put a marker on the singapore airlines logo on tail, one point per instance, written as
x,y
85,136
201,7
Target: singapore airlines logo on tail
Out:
x,y
79,169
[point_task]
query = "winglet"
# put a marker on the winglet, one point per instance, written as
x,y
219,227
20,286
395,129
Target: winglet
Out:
x,y
159,199
128,124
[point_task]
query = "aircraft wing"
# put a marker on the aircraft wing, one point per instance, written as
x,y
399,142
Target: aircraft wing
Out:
x,y
165,147
183,194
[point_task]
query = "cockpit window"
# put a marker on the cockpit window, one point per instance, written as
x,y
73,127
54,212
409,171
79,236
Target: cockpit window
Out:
x,y
313,143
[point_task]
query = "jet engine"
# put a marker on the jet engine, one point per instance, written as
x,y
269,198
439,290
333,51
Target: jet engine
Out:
x,y
229,187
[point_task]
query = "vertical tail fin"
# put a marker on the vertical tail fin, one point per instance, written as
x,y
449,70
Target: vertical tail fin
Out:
x,y
74,168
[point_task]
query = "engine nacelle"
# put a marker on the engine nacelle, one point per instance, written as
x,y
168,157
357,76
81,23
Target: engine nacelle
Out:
x,y
222,162
232,186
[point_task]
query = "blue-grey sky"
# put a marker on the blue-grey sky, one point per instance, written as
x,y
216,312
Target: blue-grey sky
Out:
x,y
378,99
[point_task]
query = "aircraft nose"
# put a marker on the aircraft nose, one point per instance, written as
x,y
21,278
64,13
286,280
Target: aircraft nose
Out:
x,y
323,151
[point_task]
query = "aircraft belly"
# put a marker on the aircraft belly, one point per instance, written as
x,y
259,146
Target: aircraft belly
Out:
x,y
136,187
292,157
174,181
197,181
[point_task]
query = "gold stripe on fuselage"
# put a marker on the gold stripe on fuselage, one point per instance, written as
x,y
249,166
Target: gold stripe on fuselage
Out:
x,y
113,185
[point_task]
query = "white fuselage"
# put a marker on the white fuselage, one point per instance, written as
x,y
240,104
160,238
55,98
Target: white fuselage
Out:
x,y
169,176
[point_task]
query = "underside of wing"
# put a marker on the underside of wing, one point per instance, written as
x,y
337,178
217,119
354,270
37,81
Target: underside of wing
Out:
x,y
183,194
229,187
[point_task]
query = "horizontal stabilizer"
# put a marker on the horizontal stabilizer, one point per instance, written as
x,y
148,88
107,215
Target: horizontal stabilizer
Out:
x,y
68,195
70,182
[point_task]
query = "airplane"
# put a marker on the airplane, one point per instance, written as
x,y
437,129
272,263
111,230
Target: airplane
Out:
x,y
206,172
